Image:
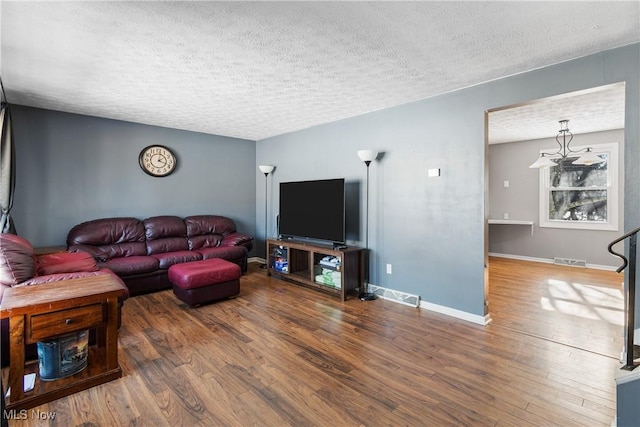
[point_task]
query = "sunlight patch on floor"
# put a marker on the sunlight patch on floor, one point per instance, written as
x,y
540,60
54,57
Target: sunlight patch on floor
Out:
x,y
586,301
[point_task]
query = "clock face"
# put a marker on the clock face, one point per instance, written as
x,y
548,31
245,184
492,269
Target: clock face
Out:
x,y
157,160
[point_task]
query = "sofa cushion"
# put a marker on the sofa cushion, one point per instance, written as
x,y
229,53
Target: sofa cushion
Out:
x,y
205,241
158,227
65,262
225,252
209,224
126,266
119,250
165,234
238,239
168,244
113,237
17,262
204,231
97,253
168,259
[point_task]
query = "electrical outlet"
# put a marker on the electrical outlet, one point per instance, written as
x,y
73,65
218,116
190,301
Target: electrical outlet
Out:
x,y
389,270
506,215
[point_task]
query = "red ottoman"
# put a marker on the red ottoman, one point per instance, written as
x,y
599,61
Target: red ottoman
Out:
x,y
200,282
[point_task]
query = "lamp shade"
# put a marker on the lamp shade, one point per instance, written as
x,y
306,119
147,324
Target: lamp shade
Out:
x,y
542,162
266,168
367,155
588,158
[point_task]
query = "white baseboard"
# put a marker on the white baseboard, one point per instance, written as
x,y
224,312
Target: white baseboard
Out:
x,y
548,261
257,259
474,318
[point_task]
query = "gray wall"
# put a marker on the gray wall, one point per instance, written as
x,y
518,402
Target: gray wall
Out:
x,y
409,213
432,230
510,162
73,168
627,391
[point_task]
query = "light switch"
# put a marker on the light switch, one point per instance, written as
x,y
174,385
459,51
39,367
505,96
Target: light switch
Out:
x,y
506,184
433,172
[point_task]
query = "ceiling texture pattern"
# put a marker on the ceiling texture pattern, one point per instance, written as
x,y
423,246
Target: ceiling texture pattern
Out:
x,y
592,110
253,70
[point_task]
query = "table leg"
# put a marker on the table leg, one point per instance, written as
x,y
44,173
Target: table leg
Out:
x,y
112,333
16,358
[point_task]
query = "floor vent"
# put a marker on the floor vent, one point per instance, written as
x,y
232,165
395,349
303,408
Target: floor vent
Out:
x,y
397,296
570,262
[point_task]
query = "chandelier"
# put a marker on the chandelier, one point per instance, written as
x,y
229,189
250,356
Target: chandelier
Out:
x,y
563,139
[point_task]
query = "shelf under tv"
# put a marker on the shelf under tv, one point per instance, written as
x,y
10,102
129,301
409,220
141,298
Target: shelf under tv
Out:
x,y
299,263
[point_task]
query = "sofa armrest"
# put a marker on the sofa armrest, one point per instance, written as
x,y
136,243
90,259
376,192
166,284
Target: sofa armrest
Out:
x,y
237,239
65,262
97,253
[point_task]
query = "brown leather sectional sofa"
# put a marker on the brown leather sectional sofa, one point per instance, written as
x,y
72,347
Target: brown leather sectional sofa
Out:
x,y
140,252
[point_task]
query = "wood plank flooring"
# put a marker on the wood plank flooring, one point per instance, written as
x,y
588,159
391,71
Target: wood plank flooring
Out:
x,y
578,307
282,355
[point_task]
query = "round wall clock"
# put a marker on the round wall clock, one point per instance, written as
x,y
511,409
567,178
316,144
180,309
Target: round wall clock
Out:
x,y
157,160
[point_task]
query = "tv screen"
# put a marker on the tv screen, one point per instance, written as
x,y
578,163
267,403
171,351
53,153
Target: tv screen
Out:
x,y
313,209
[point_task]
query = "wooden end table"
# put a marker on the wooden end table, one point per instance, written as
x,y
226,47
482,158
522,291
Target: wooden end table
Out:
x,y
39,312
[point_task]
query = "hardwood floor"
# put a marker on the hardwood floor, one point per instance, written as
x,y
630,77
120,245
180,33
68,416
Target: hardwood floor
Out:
x,y
282,355
578,307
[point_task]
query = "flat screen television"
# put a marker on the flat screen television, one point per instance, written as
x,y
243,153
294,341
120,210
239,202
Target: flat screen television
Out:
x,y
313,210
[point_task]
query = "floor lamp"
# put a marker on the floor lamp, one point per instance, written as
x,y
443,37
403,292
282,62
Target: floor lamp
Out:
x,y
266,170
367,156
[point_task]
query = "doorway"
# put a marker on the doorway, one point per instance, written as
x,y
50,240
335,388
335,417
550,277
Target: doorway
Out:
x,y
549,295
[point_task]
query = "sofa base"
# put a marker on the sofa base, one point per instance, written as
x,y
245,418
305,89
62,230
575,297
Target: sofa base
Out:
x,y
140,284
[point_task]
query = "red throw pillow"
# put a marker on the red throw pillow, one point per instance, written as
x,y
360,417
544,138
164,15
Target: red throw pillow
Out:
x,y
17,263
65,262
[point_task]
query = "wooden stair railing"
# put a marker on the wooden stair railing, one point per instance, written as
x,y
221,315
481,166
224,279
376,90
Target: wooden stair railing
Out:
x,y
630,297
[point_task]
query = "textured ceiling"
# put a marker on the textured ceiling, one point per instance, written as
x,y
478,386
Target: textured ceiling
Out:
x,y
258,69
594,110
